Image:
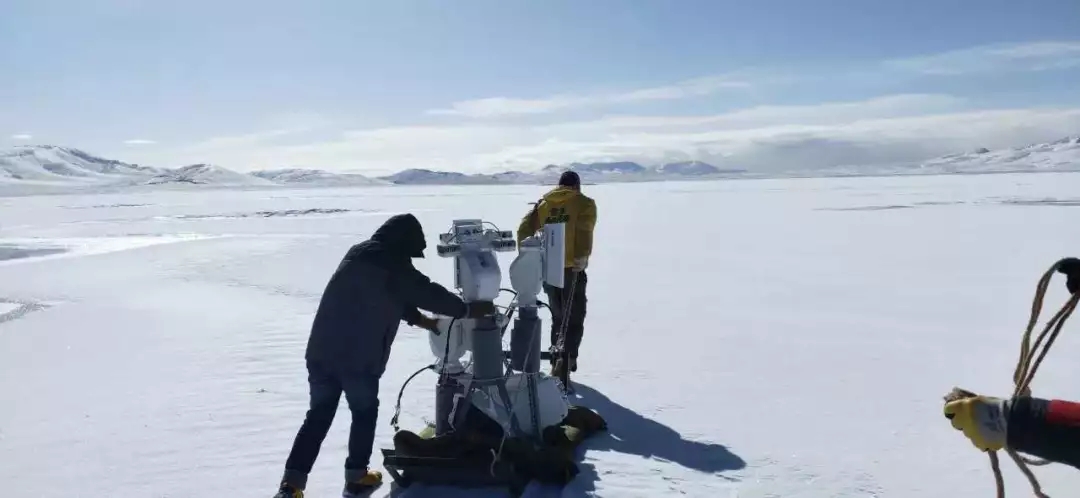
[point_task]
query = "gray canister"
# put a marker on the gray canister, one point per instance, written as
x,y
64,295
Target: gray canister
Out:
x,y
487,351
446,391
525,341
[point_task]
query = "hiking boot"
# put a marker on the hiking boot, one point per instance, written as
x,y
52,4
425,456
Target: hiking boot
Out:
x,y
364,487
288,491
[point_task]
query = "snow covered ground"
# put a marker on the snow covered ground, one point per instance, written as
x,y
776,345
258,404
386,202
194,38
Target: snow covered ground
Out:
x,y
745,339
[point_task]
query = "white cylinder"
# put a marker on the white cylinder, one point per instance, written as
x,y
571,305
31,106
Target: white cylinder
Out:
x,y
552,403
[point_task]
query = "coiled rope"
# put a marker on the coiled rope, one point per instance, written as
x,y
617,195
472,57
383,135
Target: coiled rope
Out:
x,y
1026,367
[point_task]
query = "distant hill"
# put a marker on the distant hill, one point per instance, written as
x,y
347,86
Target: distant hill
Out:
x,y
1058,155
49,163
296,176
206,174
58,166
589,172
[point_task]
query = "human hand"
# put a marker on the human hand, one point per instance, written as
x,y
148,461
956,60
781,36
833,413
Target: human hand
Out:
x,y
479,309
580,264
983,419
428,323
1070,267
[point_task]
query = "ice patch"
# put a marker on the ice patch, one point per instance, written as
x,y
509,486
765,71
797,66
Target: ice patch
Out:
x,y
889,207
105,206
870,208
272,214
11,310
11,251
20,250
1043,202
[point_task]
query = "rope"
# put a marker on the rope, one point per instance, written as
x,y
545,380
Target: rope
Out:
x,y
564,325
1026,367
496,455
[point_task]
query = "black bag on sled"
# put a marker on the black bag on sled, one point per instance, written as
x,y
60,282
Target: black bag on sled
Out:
x,y
480,436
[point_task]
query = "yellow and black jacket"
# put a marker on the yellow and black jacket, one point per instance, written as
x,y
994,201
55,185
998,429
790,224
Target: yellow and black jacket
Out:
x,y
564,204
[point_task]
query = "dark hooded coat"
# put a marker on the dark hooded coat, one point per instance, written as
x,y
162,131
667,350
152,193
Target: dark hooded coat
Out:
x,y
374,288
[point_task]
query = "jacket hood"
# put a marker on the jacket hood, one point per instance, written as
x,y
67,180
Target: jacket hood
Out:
x,y
561,194
401,235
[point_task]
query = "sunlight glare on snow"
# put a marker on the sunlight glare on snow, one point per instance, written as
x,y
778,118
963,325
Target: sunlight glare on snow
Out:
x,y
744,339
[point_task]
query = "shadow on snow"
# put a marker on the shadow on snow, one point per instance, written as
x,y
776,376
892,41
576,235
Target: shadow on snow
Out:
x,y
628,432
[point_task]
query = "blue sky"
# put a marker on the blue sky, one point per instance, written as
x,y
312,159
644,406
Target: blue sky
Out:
x,y
485,85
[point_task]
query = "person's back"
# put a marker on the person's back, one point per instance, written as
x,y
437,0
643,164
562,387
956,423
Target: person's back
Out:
x,y
358,318
566,204
578,211
372,290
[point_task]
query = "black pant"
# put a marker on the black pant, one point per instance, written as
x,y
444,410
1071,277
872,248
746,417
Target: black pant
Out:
x,y
326,385
567,304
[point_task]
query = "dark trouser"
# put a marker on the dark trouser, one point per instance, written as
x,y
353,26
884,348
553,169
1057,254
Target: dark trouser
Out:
x,y
567,304
326,385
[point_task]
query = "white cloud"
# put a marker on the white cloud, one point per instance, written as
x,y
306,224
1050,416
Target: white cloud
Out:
x,y
139,141
22,136
1033,56
874,131
504,106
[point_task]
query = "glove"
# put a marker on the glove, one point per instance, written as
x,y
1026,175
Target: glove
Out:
x,y
479,309
428,323
982,419
580,264
1070,267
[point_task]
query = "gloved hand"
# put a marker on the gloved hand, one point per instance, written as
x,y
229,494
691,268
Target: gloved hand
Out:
x,y
428,323
982,419
580,264
479,309
1070,267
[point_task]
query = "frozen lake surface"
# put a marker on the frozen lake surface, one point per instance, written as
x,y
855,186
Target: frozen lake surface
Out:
x,y
749,339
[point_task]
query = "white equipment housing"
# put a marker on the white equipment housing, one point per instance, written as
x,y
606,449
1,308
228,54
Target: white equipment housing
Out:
x,y
554,253
540,260
477,274
476,270
460,337
551,406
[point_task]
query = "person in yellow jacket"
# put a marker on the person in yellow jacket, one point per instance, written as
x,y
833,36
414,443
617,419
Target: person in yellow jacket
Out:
x,y
566,203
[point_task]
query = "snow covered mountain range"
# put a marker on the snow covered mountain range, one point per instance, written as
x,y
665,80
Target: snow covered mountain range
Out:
x,y
53,165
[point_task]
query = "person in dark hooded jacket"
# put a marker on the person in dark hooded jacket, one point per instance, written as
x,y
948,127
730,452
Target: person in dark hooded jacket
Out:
x,y
374,288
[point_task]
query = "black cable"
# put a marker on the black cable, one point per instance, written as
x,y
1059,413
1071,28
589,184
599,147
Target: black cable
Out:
x,y
446,353
397,408
446,358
